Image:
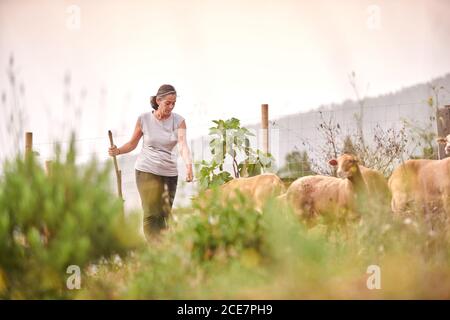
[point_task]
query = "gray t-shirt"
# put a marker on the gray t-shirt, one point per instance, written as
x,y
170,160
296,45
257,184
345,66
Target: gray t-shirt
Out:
x,y
158,155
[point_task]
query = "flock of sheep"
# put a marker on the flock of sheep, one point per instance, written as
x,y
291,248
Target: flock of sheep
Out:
x,y
419,186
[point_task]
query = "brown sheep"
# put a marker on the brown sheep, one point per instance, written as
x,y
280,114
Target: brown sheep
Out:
x,y
257,188
377,186
337,200
422,185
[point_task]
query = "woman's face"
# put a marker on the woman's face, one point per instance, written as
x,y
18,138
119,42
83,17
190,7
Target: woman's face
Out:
x,y
166,104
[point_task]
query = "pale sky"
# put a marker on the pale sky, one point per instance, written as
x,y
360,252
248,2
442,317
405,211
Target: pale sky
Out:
x,y
225,58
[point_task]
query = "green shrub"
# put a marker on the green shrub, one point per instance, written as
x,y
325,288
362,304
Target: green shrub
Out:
x,y
225,230
48,222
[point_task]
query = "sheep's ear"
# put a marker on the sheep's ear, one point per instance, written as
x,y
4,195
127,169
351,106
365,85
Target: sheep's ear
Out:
x,y
441,140
333,162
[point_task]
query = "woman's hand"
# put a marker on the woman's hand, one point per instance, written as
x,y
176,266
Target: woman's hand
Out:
x,y
113,151
189,175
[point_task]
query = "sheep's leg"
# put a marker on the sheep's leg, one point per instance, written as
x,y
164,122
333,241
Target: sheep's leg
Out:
x,y
399,203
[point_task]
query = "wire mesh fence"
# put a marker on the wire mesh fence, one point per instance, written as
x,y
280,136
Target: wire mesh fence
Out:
x,y
299,132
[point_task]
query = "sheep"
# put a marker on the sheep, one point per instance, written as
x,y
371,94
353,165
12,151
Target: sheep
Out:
x,y
257,188
337,200
422,185
378,189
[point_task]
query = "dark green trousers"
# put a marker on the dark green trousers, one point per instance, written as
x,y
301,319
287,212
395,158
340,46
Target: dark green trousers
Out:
x,y
157,194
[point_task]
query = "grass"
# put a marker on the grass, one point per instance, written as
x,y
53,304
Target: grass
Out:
x,y
241,254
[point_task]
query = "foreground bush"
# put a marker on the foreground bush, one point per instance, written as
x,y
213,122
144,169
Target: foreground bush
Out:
x,y
48,222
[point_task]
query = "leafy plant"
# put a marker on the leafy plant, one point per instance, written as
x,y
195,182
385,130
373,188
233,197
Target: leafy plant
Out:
x,y
228,140
225,230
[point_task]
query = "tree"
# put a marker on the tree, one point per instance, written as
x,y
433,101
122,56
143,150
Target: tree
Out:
x,y
297,165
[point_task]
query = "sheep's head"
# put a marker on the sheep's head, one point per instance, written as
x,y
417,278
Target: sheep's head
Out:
x,y
445,141
346,164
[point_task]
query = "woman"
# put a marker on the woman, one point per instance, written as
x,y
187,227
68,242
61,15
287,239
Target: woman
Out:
x,y
156,166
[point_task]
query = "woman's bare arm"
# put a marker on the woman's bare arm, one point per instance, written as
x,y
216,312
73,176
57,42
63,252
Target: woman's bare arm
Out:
x,y
183,146
184,150
130,145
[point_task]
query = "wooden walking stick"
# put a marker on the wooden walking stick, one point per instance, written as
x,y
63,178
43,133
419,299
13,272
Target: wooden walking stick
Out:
x,y
118,172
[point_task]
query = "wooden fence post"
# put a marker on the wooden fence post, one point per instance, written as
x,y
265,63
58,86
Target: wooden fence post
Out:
x,y
443,127
265,127
28,143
